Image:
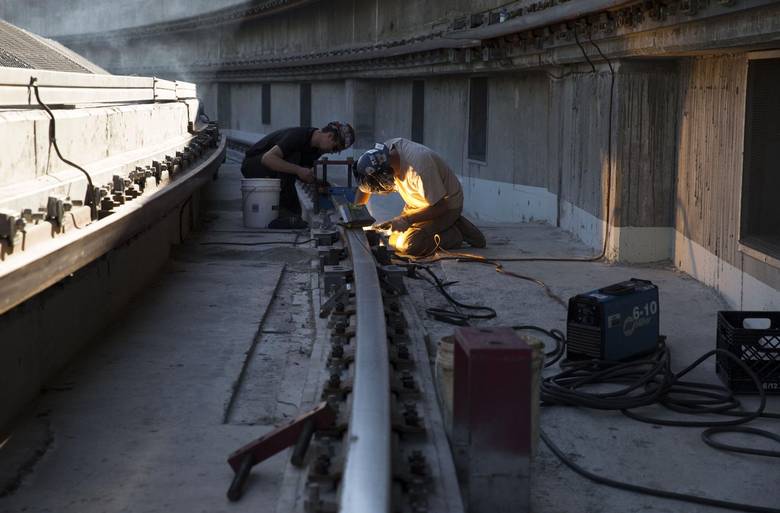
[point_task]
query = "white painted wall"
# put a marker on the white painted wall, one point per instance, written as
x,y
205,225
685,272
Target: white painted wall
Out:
x,y
741,290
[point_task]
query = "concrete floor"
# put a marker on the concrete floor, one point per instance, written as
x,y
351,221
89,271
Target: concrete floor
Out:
x,y
208,359
608,443
216,353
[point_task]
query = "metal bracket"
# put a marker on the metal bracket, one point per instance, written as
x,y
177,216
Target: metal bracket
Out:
x,y
299,432
334,276
340,296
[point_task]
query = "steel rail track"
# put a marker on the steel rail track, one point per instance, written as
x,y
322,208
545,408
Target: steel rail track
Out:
x,y
366,483
45,265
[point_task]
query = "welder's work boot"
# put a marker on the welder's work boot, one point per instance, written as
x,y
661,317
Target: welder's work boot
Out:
x,y
471,233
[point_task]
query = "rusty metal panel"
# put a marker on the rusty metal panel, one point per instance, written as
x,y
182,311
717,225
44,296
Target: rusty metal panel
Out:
x,y
492,418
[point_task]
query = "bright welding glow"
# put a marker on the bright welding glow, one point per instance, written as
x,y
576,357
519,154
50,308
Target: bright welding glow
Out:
x,y
398,241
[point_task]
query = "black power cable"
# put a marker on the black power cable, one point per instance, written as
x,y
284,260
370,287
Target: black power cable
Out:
x,y
648,382
642,383
708,434
89,198
451,316
584,53
737,506
550,357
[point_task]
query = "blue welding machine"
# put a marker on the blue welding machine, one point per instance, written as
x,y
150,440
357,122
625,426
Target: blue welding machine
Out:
x,y
618,322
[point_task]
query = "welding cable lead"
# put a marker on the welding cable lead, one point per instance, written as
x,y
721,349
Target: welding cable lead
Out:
x,y
89,197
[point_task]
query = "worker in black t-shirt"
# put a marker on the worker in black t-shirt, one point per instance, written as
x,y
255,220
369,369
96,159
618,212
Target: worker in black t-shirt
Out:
x,y
290,153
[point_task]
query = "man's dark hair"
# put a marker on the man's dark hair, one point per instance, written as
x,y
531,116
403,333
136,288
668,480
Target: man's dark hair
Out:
x,y
343,133
330,128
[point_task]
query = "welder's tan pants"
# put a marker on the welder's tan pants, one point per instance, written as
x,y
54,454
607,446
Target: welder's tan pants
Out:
x,y
420,239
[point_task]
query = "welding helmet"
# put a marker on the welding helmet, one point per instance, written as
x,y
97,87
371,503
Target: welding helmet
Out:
x,y
373,172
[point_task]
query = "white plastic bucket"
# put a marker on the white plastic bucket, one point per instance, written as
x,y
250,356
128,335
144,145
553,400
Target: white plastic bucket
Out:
x,y
260,198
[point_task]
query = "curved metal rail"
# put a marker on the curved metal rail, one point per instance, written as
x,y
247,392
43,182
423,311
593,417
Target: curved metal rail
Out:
x,y
367,475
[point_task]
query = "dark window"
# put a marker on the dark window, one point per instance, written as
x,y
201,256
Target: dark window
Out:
x,y
266,107
478,107
418,110
223,104
305,104
760,175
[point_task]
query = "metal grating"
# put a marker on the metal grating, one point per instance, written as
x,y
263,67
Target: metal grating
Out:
x,y
21,49
759,349
584,340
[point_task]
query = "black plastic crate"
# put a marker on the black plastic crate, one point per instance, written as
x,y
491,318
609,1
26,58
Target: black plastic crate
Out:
x,y
758,348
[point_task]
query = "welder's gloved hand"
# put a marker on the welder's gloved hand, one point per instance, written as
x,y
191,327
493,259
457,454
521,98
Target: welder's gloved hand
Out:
x,y
398,224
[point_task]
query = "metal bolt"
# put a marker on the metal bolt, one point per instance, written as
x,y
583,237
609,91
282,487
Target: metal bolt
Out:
x,y
312,503
322,464
407,380
417,463
410,414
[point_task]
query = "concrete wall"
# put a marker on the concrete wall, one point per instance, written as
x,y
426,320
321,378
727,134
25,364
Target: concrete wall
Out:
x,y
245,107
336,22
669,157
44,333
285,106
52,17
547,156
709,184
646,143
328,102
313,27
445,123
